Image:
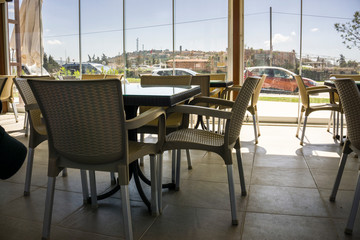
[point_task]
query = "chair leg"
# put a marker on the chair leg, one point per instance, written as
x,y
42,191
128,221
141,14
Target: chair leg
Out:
x,y
84,186
125,202
346,150
241,172
173,166
178,164
154,185
15,111
334,124
48,207
159,182
29,168
142,158
232,194
341,128
330,119
354,208
303,131
299,123
188,159
93,192
112,178
257,123
26,124
64,172
255,129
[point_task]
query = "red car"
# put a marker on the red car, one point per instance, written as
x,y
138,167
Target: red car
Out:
x,y
279,79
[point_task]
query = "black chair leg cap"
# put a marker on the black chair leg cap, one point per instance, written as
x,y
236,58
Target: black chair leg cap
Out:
x,y
348,231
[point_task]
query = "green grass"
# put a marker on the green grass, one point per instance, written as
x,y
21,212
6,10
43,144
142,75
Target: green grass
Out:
x,y
292,99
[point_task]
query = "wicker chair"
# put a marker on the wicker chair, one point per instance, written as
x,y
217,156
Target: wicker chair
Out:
x,y
305,93
7,94
38,132
221,144
252,108
96,141
350,99
335,119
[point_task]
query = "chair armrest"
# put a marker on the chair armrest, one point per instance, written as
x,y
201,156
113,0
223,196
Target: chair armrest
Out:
x,y
144,118
199,110
212,101
318,87
320,90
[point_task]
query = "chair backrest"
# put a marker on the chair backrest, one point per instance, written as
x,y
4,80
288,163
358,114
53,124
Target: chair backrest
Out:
x,y
113,76
45,77
355,77
165,80
7,92
2,83
25,91
302,90
350,100
92,76
255,96
238,110
85,120
218,76
30,104
204,82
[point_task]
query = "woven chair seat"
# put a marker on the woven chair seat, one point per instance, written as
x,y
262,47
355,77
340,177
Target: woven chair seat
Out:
x,y
196,136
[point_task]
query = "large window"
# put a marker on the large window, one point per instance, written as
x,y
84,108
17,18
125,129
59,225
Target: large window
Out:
x,y
148,34
201,35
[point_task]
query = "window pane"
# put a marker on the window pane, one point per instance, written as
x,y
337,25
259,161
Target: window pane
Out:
x,y
148,36
60,35
102,34
201,35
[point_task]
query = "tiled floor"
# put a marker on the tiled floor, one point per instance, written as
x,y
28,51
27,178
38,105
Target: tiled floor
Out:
x,y
288,190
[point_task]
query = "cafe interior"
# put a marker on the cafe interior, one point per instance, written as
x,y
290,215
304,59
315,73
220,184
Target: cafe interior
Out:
x,y
171,157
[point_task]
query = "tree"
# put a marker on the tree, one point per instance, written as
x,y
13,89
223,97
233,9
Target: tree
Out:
x,y
350,31
342,61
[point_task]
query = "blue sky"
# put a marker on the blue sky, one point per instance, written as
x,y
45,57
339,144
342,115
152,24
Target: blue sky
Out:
x,y
202,26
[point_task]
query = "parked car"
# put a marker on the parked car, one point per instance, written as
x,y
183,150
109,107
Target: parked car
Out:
x,y
278,79
95,68
169,72
33,70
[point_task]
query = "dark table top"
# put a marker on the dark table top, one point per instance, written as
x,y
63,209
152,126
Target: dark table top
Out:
x,y
136,95
331,83
220,83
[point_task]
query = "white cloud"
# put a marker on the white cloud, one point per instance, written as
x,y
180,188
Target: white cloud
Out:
x,y
54,42
293,33
314,29
278,38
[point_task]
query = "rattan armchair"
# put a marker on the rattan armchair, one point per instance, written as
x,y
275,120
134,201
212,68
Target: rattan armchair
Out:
x,y
252,108
96,141
350,99
38,132
7,93
307,107
222,144
335,118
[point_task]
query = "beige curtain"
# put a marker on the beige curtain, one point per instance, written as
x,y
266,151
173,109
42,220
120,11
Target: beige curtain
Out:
x,y
30,33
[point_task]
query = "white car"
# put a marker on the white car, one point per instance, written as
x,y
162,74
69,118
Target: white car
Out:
x,y
169,72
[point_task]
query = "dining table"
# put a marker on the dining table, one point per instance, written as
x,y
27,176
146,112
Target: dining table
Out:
x,y
331,83
134,96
